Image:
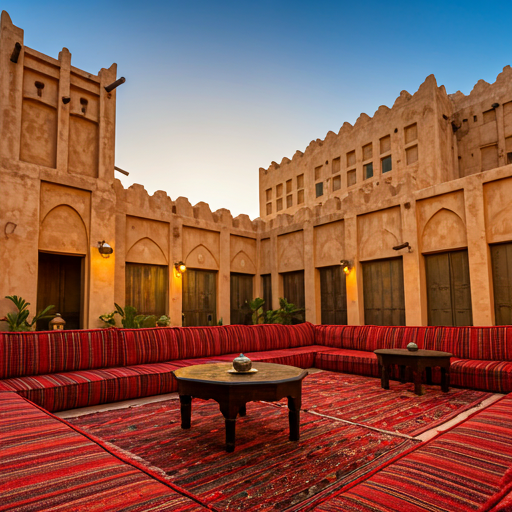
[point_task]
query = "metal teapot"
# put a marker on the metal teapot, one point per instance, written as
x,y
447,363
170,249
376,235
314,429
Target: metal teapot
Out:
x,y
242,363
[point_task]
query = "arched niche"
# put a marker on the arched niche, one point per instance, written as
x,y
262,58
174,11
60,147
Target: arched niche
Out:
x,y
201,257
63,230
243,264
444,230
329,253
379,244
146,251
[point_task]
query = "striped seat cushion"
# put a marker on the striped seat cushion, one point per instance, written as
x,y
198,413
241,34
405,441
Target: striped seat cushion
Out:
x,y
348,361
495,376
38,353
458,470
47,465
152,345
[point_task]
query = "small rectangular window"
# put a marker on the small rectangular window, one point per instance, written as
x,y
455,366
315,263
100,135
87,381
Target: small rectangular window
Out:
x,y
386,164
289,201
351,178
279,205
475,119
490,116
336,165
269,208
319,189
385,144
279,190
509,158
336,182
411,133
288,186
367,152
318,172
351,158
300,181
269,194
411,154
368,171
300,196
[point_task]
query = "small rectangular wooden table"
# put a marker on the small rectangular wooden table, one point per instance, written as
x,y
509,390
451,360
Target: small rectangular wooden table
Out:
x,y
232,391
417,361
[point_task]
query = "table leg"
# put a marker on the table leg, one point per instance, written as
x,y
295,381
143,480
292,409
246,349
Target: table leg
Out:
x,y
428,370
402,373
243,410
230,413
445,380
418,388
294,404
384,377
186,410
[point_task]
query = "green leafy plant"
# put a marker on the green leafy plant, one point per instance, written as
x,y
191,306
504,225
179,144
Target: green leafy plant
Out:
x,y
109,319
285,315
220,322
131,320
19,321
163,321
257,313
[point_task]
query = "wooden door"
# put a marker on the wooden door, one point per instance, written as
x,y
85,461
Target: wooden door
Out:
x,y
448,289
146,288
383,290
241,294
199,297
266,284
501,257
59,282
333,295
293,291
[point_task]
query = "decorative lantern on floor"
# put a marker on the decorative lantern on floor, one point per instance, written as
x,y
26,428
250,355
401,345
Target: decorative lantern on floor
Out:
x,y
57,323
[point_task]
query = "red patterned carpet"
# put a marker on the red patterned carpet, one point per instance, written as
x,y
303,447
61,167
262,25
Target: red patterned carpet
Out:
x,y
267,471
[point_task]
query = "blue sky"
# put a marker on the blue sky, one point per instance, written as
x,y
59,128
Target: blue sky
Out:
x,y
217,89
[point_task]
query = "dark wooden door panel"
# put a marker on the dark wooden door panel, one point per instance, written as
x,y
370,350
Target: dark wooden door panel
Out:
x,y
501,257
60,284
293,290
448,289
199,298
383,286
240,295
146,288
333,296
266,283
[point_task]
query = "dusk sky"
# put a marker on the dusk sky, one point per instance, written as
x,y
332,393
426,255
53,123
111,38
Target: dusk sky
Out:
x,y
217,89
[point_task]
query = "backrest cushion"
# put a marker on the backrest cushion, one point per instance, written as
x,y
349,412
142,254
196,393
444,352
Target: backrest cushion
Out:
x,y
42,352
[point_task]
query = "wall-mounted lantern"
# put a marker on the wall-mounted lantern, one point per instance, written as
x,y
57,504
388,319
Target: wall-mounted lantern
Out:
x,y
405,245
180,268
57,323
346,266
105,249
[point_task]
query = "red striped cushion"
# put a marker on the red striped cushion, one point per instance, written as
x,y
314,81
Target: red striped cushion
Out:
x,y
36,353
495,376
152,345
348,361
355,337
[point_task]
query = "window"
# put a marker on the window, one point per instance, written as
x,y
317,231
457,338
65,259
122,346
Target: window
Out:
x,y
385,144
289,201
279,190
411,133
318,172
508,149
319,188
351,178
279,205
490,116
489,155
411,154
269,208
368,170
269,194
300,181
336,165
300,196
288,186
367,152
336,182
351,158
386,164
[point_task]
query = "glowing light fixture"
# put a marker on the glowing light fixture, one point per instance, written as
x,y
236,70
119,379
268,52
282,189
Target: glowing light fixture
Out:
x,y
180,268
346,266
105,249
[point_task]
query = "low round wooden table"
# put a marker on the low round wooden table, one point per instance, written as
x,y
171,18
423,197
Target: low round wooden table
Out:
x,y
417,361
232,391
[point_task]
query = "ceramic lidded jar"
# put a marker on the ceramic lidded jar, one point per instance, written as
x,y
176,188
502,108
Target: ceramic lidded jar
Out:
x,y
412,347
242,363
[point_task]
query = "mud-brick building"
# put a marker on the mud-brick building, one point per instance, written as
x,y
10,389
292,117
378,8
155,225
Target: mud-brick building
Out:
x,y
415,201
